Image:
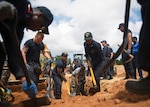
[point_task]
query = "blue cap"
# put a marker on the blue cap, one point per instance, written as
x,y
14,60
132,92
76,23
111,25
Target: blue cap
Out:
x,y
48,16
121,24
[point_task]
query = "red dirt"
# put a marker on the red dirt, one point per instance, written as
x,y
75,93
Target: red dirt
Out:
x,y
113,94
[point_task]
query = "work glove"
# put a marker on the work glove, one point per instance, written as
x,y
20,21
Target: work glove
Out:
x,y
128,51
49,62
31,90
28,66
7,10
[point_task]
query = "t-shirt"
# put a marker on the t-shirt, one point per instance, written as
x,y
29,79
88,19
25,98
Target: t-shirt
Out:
x,y
33,53
59,64
76,71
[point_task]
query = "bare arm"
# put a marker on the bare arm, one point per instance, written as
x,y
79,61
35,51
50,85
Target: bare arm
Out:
x,y
59,70
47,55
111,55
129,40
24,51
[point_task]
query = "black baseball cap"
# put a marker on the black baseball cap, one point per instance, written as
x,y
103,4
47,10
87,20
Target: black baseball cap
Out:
x,y
65,54
88,36
48,16
121,24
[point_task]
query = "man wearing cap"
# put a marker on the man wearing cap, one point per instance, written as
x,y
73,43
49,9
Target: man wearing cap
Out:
x,y
38,18
58,75
106,53
94,53
127,66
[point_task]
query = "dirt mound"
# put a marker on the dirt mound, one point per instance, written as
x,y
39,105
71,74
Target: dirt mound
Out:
x,y
113,94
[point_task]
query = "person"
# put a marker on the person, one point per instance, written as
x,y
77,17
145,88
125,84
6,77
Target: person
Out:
x,y
38,18
87,72
76,63
93,52
58,75
135,54
78,77
143,86
106,54
127,65
5,71
31,55
111,54
46,68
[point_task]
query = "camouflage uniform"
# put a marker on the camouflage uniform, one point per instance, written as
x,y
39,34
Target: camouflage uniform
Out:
x,y
77,88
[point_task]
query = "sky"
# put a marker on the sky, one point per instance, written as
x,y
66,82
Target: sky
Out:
x,y
72,18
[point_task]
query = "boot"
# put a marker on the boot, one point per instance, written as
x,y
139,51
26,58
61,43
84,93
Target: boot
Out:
x,y
139,87
58,96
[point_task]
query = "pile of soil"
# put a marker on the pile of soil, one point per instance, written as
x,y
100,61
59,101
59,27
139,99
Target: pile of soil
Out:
x,y
113,94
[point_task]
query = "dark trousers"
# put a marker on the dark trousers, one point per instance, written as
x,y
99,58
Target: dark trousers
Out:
x,y
80,88
144,40
128,66
129,70
96,70
108,70
34,76
57,86
136,66
2,58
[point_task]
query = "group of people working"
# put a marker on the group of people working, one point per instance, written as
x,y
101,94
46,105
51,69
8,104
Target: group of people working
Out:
x,y
38,19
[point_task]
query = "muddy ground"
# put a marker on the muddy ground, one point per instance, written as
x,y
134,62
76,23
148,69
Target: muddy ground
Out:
x,y
113,94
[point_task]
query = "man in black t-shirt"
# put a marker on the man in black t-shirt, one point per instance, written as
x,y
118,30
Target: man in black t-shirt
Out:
x,y
31,55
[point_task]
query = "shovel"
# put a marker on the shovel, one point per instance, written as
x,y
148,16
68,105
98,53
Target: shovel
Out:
x,y
92,90
72,88
10,31
67,86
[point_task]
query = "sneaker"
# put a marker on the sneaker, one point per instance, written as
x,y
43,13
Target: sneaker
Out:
x,y
139,87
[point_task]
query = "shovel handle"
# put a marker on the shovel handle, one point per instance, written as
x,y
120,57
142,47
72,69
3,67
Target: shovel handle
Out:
x,y
92,74
67,86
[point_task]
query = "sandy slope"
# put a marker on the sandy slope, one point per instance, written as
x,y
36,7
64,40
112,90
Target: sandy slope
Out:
x,y
113,94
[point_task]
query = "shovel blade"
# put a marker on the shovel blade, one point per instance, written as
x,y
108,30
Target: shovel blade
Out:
x,y
73,94
93,90
34,103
